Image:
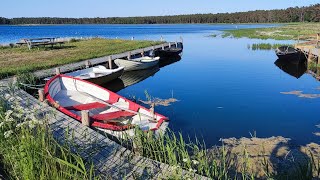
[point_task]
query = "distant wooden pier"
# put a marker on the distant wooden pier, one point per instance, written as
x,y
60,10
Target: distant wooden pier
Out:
x,y
311,49
106,60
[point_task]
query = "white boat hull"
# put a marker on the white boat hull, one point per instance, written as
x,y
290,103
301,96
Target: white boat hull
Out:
x,y
137,64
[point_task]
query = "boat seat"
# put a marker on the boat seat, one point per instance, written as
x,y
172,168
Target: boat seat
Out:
x,y
111,115
88,106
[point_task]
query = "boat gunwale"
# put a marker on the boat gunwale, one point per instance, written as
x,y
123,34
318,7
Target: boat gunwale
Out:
x,y
96,123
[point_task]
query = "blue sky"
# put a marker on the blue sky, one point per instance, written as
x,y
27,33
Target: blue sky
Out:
x,y
121,8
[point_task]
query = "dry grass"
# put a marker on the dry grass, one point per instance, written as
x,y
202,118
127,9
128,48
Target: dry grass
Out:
x,y
21,60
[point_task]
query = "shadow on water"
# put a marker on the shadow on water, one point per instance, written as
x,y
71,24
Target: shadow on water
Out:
x,y
293,67
168,61
130,78
133,77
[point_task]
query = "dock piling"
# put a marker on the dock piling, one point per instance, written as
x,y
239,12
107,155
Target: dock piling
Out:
x,y
129,55
58,71
85,119
110,62
41,95
87,63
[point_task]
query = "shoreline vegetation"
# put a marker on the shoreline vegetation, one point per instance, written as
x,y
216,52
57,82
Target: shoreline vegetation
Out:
x,y
11,57
291,31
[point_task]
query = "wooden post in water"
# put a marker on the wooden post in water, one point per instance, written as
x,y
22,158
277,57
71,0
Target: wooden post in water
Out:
x,y
58,71
129,56
87,63
41,95
110,62
85,119
309,56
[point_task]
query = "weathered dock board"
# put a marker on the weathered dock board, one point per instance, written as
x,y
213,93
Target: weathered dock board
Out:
x,y
101,60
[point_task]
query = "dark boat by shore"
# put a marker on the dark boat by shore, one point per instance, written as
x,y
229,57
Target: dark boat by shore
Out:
x,y
289,53
167,52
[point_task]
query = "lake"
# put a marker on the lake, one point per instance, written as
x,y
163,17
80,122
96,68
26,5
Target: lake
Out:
x,y
224,89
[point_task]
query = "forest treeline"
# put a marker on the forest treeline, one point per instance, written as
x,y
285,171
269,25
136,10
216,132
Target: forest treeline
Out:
x,y
293,14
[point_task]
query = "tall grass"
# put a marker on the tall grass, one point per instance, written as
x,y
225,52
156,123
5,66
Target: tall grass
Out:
x,y
172,149
29,150
265,46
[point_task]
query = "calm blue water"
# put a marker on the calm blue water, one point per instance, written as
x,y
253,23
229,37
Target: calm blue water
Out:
x,y
224,89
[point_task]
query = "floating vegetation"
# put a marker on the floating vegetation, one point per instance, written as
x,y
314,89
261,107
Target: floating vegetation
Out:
x,y
160,102
265,46
302,95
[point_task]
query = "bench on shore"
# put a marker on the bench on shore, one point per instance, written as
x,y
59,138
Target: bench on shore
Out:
x,y
36,42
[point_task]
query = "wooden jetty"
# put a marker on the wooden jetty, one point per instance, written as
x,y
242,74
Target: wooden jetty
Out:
x,y
311,50
111,160
106,60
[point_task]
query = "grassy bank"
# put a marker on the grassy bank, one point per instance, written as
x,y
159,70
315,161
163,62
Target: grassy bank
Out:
x,y
18,60
29,151
285,32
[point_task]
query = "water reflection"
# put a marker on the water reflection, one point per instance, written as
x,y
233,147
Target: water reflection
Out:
x,y
293,67
167,61
133,77
129,78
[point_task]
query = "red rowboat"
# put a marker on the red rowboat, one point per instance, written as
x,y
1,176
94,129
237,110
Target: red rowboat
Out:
x,y
108,111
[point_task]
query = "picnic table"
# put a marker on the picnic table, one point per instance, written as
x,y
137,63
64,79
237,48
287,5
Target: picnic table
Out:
x,y
36,42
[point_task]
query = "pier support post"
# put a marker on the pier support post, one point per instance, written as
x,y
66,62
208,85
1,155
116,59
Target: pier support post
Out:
x,y
87,63
14,80
41,95
129,55
58,71
318,39
110,62
85,119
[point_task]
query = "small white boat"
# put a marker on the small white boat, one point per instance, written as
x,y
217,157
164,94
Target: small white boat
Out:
x,y
137,63
97,74
108,111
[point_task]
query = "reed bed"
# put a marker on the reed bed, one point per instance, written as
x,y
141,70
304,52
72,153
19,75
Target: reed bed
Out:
x,y
266,46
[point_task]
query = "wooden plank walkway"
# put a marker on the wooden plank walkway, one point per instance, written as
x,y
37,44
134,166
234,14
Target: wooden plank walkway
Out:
x,y
311,49
101,60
